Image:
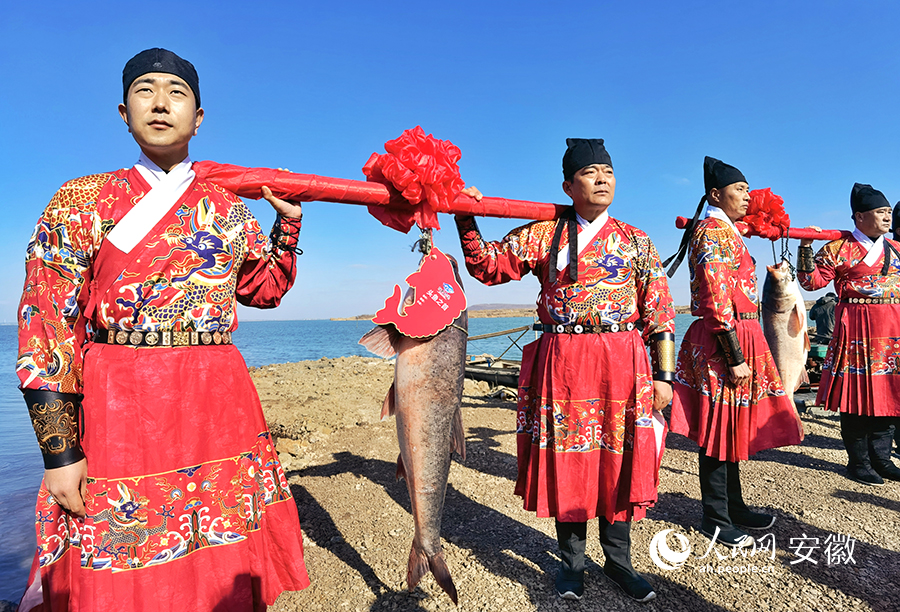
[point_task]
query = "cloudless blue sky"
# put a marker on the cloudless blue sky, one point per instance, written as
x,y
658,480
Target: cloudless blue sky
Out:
x,y
801,96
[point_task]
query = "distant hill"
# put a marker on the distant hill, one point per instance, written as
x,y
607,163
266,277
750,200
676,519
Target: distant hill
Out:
x,y
501,307
488,311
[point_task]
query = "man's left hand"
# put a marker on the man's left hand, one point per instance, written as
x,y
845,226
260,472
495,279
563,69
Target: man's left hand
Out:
x,y
284,208
662,394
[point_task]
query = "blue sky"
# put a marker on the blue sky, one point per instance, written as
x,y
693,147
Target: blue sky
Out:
x,y
801,96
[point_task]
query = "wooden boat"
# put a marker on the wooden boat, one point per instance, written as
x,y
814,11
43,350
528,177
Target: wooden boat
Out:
x,y
502,372
496,370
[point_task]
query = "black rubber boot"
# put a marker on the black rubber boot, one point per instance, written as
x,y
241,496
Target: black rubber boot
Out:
x,y
853,433
572,538
714,497
881,437
738,512
615,539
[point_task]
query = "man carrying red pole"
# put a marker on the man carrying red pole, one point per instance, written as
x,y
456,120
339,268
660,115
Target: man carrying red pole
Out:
x,y
861,372
162,488
587,445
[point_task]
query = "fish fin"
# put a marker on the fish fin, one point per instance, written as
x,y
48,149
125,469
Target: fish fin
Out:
x,y
401,470
389,406
795,324
417,567
806,344
420,564
382,340
442,575
804,379
458,435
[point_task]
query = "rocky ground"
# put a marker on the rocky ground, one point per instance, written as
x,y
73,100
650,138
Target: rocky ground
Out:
x,y
340,461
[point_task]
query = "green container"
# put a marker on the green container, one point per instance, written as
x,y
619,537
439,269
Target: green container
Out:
x,y
817,351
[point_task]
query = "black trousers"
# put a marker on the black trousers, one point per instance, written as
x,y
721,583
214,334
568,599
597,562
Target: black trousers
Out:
x,y
720,491
615,539
868,440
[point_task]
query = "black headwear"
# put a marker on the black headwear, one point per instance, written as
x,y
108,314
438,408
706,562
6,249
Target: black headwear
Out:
x,y
716,175
583,152
865,197
160,60
895,222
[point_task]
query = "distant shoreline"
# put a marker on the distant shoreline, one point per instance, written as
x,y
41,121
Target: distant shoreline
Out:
x,y
482,312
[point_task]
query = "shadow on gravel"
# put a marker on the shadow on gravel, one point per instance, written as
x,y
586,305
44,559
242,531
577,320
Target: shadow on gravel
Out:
x,y
319,527
798,459
868,498
872,577
826,442
506,548
483,454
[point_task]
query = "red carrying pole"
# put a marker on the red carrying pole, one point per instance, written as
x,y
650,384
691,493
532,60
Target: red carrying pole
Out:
x,y
248,183
801,233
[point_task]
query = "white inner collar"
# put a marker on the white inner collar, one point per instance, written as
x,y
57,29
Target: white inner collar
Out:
x,y
166,189
589,230
873,248
154,175
718,213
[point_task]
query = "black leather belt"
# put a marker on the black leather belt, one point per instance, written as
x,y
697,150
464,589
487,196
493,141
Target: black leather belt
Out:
x,y
603,328
161,338
748,315
870,301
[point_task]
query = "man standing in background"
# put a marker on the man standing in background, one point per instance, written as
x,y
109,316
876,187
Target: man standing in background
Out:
x,y
860,376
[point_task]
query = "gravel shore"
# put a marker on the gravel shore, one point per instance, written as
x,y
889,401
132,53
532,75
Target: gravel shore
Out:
x,y
340,460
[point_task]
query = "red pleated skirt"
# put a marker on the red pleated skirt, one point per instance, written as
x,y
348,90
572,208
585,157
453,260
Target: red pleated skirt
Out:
x,y
731,423
587,444
188,507
861,372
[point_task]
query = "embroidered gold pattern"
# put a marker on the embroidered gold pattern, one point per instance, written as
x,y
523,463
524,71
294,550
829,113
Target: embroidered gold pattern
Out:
x,y
56,425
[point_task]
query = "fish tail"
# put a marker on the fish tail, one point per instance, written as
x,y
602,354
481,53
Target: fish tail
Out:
x,y
420,564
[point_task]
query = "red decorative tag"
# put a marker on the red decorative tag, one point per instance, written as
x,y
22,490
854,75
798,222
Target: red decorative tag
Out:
x,y
433,302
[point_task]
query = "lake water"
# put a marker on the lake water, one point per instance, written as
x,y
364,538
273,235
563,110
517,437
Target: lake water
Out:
x,y
261,343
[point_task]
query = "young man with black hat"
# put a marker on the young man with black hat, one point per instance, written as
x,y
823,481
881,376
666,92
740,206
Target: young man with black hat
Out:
x,y
589,432
729,397
861,375
162,489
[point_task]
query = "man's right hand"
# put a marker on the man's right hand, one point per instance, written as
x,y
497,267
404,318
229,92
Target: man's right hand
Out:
x,y
68,486
739,374
805,242
472,192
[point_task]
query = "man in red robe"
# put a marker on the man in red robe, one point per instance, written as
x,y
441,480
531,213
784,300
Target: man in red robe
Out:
x,y
861,372
589,434
729,397
162,489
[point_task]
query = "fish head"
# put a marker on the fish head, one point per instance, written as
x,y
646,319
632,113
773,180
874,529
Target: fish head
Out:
x,y
780,283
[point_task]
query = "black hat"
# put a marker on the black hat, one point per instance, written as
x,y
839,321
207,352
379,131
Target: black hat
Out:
x,y
865,197
160,60
717,174
583,152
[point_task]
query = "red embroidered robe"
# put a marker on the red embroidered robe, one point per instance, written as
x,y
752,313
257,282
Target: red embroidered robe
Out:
x,y
730,423
586,443
861,372
188,507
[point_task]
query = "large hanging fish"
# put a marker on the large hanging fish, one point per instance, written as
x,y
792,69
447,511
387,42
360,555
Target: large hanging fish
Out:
x,y
425,399
784,325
